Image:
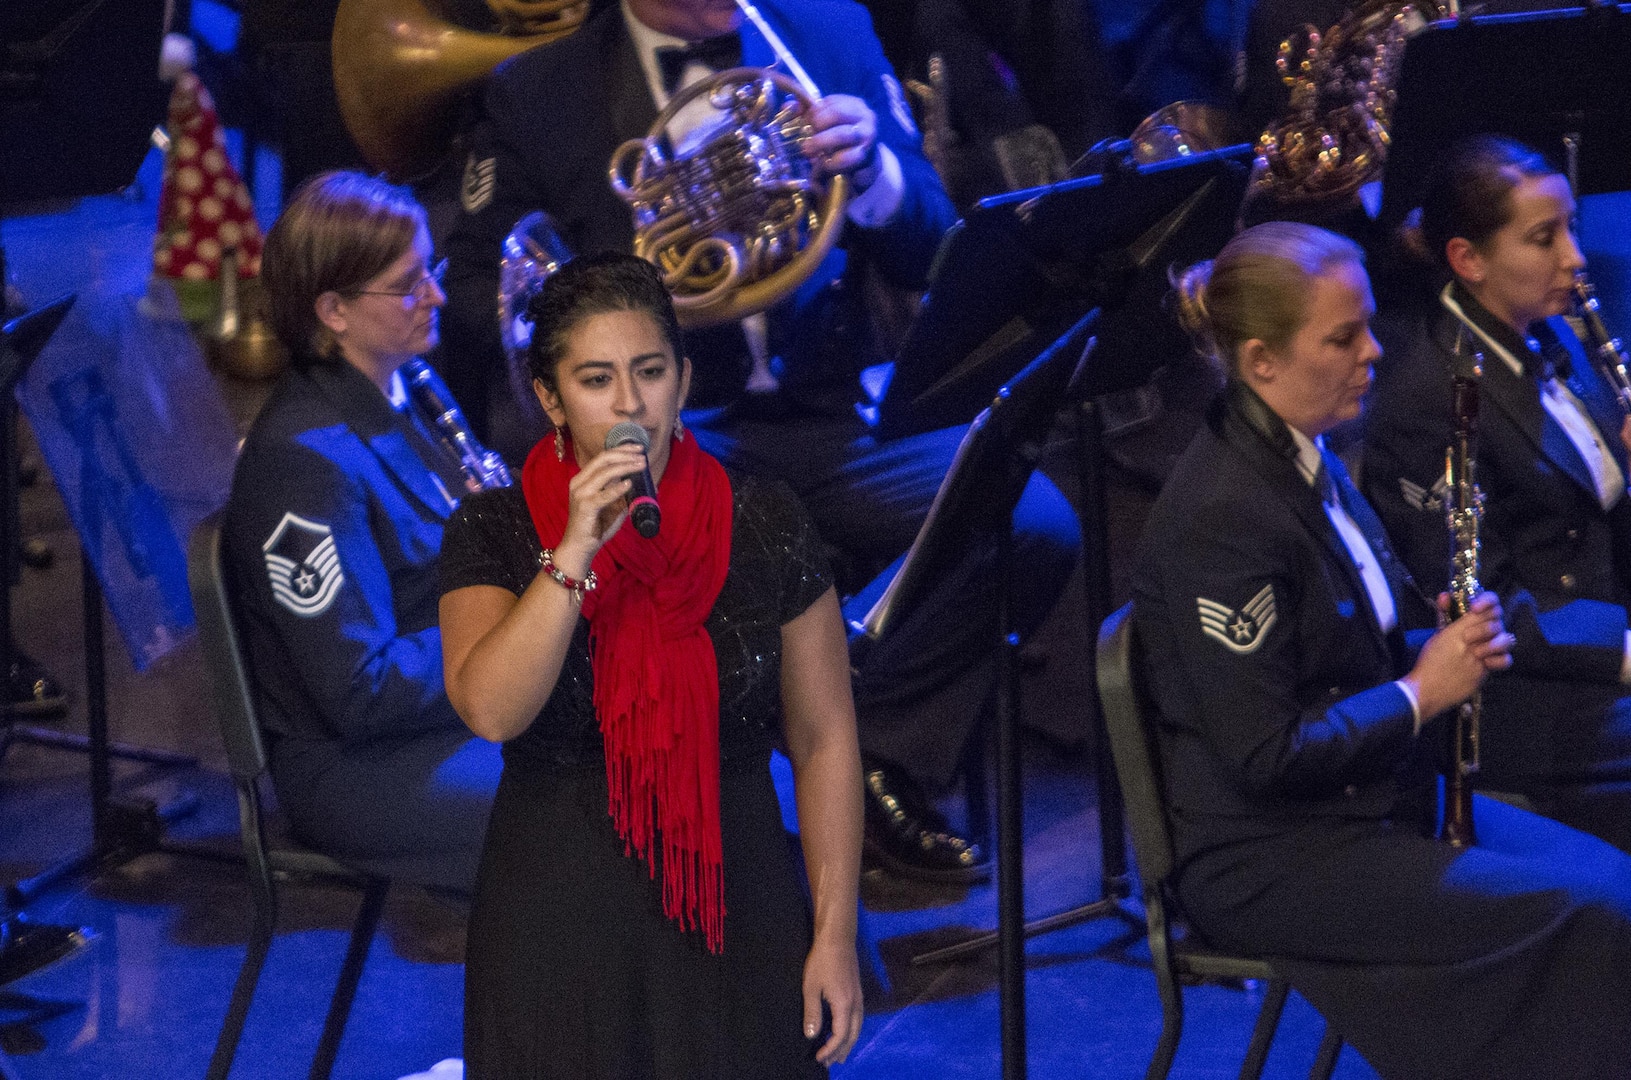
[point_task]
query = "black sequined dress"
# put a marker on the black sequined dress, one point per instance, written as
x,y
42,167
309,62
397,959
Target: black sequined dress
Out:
x,y
571,969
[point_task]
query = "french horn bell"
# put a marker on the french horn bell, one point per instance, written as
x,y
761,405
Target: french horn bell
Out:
x,y
401,70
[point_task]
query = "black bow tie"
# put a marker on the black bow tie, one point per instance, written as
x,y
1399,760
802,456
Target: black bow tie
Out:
x,y
715,53
1547,360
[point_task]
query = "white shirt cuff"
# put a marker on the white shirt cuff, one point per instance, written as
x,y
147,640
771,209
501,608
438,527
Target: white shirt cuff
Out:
x,y
878,203
1625,660
1410,696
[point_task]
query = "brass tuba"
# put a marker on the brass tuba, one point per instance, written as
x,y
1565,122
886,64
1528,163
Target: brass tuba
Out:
x,y
1334,138
739,220
400,70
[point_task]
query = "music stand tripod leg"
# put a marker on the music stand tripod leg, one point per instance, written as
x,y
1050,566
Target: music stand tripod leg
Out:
x,y
1115,885
120,829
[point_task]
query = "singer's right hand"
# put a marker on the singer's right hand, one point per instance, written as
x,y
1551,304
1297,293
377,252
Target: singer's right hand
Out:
x,y
598,504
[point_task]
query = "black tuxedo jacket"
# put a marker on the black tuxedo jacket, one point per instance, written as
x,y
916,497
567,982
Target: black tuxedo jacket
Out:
x,y
1549,549
551,119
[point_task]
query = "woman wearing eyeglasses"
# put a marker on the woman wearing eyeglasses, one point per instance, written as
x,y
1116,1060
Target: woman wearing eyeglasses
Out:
x,y
331,538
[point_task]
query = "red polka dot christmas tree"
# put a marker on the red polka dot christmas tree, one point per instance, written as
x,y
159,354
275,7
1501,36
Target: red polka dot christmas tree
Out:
x,y
204,207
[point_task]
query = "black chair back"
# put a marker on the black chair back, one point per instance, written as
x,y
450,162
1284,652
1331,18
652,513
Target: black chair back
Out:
x,y
1129,719
230,683
233,691
1129,716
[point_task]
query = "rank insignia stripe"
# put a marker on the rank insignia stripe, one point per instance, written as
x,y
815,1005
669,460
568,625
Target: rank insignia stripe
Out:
x,y
303,565
478,183
1417,497
1242,630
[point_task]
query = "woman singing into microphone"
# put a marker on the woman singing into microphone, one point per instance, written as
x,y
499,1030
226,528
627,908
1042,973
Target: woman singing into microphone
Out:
x,y
638,911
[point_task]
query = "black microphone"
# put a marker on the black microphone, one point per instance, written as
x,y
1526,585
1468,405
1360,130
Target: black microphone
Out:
x,y
643,509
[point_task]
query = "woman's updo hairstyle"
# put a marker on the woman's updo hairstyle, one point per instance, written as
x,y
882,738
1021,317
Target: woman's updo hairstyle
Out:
x,y
594,285
1257,287
339,231
1470,193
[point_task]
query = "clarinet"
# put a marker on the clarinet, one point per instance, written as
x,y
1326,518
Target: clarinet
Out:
x,y
483,468
1606,351
1464,511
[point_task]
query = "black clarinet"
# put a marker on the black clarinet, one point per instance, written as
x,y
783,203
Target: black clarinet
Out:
x,y
1463,512
483,468
1605,349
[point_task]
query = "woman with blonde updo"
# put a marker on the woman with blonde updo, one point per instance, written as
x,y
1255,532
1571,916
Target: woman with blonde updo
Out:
x,y
1301,684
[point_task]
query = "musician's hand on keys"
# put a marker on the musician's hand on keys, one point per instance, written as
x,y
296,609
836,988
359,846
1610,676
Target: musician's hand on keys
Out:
x,y
846,133
1453,663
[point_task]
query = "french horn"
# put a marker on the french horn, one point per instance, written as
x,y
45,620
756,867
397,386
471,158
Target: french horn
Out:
x,y
400,71
1334,138
736,219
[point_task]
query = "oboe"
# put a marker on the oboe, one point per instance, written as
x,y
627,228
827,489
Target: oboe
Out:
x,y
483,468
1464,511
1605,349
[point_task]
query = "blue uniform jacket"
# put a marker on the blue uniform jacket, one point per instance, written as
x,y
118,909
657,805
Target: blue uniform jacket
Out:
x,y
1271,673
331,536
1557,559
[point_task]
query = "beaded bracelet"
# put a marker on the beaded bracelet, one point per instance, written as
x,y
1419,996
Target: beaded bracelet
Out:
x,y
546,563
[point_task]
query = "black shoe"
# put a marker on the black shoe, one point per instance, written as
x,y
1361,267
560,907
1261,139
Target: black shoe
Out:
x,y
30,691
908,836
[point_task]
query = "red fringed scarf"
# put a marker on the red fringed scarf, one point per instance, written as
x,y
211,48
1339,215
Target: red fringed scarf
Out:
x,y
656,676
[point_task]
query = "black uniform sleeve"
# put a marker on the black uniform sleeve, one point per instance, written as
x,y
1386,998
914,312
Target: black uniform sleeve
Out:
x,y
903,248
368,678
1245,691
497,190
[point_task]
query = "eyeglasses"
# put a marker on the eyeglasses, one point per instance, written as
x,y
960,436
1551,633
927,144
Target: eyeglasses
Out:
x,y
415,293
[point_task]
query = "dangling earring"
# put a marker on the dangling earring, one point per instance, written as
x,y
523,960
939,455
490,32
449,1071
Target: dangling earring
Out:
x,y
679,429
560,445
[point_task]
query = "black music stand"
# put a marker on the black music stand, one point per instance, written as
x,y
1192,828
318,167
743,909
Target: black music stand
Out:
x,y
1480,74
1023,266
82,95
1018,271
977,499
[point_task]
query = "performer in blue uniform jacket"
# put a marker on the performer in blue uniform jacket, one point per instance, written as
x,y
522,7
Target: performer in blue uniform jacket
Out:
x,y
330,540
551,119
1552,467
1298,724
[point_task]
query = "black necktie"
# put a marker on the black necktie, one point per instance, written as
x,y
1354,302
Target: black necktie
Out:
x,y
715,53
1325,482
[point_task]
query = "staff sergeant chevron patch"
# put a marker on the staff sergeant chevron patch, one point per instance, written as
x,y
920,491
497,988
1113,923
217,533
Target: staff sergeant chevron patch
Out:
x,y
1240,631
1420,498
303,565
